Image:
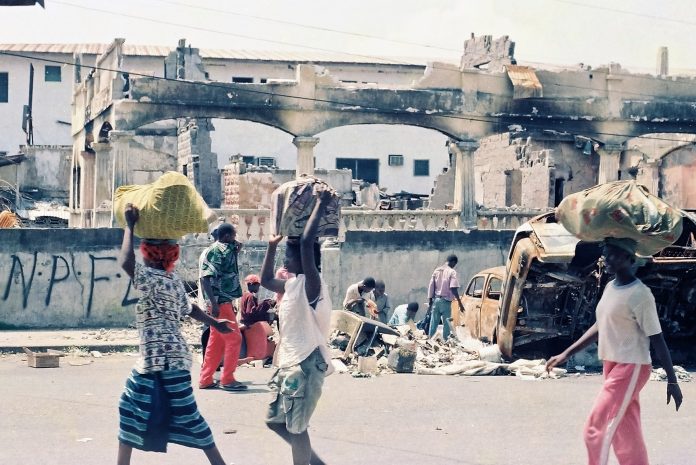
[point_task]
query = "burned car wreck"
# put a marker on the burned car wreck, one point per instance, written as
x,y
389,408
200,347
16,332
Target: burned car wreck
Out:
x,y
552,282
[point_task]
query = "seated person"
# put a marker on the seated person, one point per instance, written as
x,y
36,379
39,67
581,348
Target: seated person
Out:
x,y
403,314
358,295
255,316
251,310
381,301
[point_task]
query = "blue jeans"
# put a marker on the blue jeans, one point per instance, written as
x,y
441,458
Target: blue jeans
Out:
x,y
442,311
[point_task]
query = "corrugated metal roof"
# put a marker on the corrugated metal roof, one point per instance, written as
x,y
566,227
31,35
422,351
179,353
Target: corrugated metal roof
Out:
x,y
524,81
161,51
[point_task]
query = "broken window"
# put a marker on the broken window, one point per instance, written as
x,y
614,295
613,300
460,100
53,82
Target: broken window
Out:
x,y
366,169
475,288
421,167
494,287
4,89
558,191
243,80
52,73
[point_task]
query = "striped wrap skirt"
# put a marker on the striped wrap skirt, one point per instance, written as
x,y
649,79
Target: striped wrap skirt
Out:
x,y
158,408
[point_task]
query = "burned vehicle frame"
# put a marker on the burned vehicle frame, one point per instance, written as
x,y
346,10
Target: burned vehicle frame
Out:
x,y
552,283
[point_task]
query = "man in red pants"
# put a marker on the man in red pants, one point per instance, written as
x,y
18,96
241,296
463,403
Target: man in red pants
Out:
x,y
219,274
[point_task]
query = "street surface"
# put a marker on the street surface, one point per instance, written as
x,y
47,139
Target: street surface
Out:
x,y
69,416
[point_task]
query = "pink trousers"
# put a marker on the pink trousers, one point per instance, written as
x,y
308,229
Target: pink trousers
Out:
x,y
615,417
221,346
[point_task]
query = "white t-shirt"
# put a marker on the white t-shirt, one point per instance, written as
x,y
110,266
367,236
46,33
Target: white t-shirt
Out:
x,y
626,318
303,328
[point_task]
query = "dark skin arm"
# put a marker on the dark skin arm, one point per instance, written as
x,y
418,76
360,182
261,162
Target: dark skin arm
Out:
x,y
455,293
309,236
268,279
199,315
208,293
662,353
590,336
126,258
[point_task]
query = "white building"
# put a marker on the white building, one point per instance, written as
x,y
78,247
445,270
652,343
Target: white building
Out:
x,y
398,158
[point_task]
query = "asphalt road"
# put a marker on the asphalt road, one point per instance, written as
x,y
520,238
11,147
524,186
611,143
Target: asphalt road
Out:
x,y
68,416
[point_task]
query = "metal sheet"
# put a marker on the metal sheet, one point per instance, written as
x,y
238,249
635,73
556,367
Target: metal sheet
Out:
x,y
524,81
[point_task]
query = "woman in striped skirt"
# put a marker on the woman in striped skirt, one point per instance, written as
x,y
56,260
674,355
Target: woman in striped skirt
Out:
x,y
157,406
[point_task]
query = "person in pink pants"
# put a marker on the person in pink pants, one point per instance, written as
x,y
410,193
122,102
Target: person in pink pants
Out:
x,y
627,324
219,277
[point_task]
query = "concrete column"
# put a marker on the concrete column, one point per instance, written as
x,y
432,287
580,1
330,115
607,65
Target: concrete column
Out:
x,y
464,194
609,163
305,154
119,141
120,171
649,175
103,173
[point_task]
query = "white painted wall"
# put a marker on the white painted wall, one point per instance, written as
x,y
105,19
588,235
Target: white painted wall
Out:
x,y
52,103
233,137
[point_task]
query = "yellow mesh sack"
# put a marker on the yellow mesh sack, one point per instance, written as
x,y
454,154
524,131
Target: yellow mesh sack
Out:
x,y
169,207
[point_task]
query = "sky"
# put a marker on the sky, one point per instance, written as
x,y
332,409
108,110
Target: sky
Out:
x,y
559,32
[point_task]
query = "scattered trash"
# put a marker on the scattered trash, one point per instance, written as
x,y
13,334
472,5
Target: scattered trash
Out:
x,y
84,439
367,365
48,359
78,362
364,348
339,366
229,431
96,354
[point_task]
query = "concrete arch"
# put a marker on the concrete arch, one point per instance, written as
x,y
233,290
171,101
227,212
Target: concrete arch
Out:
x,y
132,115
655,146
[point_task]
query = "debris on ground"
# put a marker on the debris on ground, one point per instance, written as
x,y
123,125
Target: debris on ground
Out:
x,y
48,359
364,348
683,376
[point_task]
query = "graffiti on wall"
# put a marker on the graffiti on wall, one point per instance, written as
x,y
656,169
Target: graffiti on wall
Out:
x,y
95,278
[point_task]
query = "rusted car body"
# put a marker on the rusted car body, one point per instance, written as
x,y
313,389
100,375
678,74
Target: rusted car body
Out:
x,y
552,282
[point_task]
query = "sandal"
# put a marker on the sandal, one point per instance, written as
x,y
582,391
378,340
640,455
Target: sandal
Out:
x,y
210,386
236,386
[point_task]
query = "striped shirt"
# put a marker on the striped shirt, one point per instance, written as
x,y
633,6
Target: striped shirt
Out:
x,y
163,302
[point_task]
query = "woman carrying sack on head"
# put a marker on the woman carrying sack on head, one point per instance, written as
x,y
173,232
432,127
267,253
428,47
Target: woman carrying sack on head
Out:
x,y
627,324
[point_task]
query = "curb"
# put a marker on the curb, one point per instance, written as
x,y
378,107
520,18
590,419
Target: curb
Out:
x,y
88,347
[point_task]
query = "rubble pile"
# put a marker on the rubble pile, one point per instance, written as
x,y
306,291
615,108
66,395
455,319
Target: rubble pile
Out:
x,y
411,351
659,374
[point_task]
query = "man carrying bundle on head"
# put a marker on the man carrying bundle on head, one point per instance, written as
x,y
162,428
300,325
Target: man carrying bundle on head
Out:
x,y
627,325
157,406
302,357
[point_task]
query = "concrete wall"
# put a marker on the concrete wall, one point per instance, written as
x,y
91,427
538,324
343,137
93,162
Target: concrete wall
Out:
x,y
44,173
539,161
71,278
376,141
252,188
405,260
678,172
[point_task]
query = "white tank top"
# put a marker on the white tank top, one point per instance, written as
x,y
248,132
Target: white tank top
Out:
x,y
303,328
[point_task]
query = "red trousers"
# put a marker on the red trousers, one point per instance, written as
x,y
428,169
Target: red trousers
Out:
x,y
615,417
222,345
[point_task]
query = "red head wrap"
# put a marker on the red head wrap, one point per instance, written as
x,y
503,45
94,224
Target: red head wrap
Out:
x,y
163,253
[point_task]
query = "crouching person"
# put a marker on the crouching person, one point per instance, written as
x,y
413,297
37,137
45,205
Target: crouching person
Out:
x,y
302,357
157,406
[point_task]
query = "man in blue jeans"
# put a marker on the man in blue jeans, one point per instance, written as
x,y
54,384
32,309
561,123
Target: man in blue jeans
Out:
x,y
443,289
